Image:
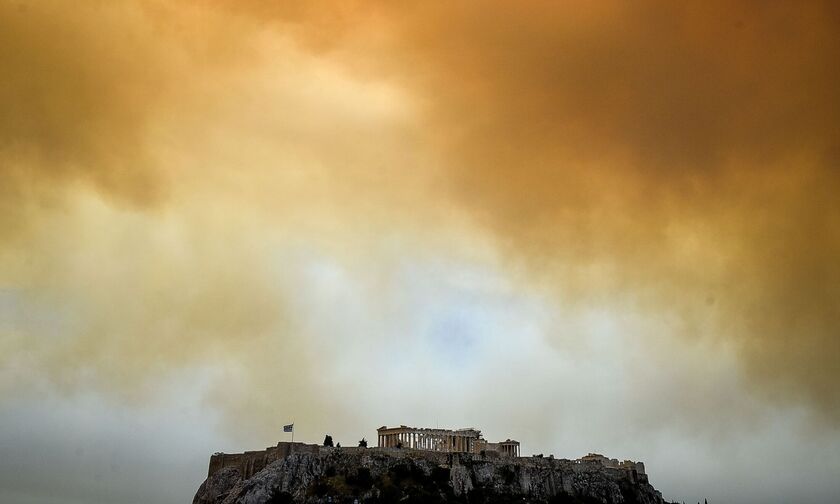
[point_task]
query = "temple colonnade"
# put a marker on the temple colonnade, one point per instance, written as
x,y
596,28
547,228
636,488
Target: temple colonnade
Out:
x,y
463,440
443,440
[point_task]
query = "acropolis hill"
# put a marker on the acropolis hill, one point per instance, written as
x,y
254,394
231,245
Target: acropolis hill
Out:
x,y
420,465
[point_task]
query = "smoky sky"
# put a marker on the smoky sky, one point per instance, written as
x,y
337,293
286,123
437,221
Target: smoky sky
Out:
x,y
679,156
646,192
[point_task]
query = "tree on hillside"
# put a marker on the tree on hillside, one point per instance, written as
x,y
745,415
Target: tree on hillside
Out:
x,y
363,443
328,440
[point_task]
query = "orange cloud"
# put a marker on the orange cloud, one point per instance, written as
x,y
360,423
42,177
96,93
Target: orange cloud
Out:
x,y
679,157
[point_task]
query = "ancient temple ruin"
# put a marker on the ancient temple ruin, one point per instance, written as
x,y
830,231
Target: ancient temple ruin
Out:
x,y
466,440
628,465
441,445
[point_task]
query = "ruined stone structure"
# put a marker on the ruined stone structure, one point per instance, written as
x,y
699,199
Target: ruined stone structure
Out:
x,y
306,473
627,465
442,447
635,471
434,440
506,448
440,442
467,440
252,462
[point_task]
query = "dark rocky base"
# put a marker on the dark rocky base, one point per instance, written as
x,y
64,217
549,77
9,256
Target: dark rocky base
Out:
x,y
384,476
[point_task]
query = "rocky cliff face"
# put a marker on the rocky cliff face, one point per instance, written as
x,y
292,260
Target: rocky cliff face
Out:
x,y
389,475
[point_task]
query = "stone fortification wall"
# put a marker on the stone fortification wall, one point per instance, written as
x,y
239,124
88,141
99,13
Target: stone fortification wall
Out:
x,y
252,462
633,470
389,475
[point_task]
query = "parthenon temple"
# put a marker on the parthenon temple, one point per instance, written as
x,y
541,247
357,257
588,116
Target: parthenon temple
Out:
x,y
467,440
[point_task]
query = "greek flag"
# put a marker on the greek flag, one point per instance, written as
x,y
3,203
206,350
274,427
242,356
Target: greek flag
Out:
x,y
289,428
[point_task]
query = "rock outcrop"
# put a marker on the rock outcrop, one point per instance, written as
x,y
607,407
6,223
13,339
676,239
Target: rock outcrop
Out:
x,y
393,475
